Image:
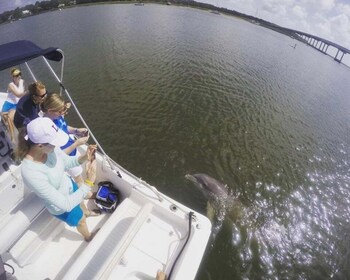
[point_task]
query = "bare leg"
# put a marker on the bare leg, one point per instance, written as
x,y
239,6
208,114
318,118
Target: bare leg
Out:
x,y
83,229
9,124
11,116
85,210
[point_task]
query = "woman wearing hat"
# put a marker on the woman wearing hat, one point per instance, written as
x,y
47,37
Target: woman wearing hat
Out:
x,y
43,171
15,91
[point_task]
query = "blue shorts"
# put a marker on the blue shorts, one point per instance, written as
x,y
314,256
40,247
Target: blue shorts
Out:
x,y
7,106
73,217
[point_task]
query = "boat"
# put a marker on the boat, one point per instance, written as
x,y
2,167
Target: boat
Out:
x,y
146,233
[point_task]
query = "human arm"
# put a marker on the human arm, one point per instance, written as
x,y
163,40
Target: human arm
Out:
x,y
89,155
78,142
78,131
90,167
11,88
56,201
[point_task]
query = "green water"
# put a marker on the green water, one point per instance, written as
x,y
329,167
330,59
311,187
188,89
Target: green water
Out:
x,y
170,90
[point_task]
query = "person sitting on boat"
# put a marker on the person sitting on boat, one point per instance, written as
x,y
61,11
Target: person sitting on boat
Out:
x,y
15,90
55,108
28,107
43,171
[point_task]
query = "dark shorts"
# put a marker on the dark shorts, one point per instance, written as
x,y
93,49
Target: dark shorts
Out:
x,y
73,217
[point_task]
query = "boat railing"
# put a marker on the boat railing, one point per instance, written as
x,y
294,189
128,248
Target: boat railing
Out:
x,y
113,165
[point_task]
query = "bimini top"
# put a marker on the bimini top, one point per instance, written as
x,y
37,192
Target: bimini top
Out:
x,y
17,52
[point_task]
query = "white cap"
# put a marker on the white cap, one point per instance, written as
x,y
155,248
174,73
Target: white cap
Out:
x,y
43,130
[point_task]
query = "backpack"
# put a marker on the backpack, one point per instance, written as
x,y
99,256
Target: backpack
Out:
x,y
107,197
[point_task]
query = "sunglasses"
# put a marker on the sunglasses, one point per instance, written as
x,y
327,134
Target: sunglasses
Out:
x,y
46,145
41,96
63,111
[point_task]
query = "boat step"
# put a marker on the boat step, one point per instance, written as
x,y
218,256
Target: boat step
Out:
x,y
29,247
126,241
106,250
19,222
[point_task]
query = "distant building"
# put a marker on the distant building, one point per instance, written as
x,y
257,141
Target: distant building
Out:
x,y
61,6
26,13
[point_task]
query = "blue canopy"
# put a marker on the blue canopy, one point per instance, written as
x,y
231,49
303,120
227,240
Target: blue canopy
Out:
x,y
18,52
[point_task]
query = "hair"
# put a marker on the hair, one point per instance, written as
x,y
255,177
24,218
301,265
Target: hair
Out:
x,y
13,70
34,86
53,102
23,145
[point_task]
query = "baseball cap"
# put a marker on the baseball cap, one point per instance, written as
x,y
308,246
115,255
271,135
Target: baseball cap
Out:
x,y
42,130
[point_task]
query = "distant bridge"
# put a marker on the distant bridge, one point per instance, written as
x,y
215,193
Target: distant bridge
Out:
x,y
321,44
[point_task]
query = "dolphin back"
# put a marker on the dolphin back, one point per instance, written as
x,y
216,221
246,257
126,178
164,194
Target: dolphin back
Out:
x,y
211,184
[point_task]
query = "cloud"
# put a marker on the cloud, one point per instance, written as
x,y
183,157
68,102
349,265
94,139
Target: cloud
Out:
x,y
299,12
18,3
328,19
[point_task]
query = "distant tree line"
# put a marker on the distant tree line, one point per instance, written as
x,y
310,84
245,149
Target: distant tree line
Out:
x,y
44,6
32,9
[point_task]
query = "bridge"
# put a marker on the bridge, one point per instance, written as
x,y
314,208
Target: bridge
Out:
x,y
321,44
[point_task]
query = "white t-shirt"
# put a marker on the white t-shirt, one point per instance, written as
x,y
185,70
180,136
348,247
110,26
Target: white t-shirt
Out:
x,y
11,97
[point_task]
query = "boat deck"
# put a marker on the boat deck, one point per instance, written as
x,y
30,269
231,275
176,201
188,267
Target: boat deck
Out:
x,y
134,242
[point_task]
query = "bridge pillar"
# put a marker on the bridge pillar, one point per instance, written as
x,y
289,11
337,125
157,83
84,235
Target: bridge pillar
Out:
x,y
321,46
325,47
336,56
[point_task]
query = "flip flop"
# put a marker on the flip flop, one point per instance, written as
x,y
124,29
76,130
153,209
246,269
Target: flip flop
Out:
x,y
93,213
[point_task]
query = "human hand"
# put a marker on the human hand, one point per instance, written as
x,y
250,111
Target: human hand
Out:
x,y
82,140
89,155
81,132
90,152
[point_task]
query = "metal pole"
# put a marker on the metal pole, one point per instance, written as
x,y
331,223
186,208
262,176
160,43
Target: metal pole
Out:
x,y
80,116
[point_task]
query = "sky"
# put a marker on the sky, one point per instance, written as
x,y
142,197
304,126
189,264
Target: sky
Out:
x,y
328,19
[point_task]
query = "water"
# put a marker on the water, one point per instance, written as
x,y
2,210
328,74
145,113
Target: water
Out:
x,y
173,90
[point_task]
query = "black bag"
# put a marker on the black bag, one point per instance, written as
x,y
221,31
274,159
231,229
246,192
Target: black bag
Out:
x,y
107,197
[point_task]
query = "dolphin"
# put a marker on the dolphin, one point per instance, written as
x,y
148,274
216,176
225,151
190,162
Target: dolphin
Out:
x,y
215,191
209,186
220,200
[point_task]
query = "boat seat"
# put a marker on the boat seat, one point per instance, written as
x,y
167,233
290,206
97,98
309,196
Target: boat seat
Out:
x,y
42,231
107,248
18,223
